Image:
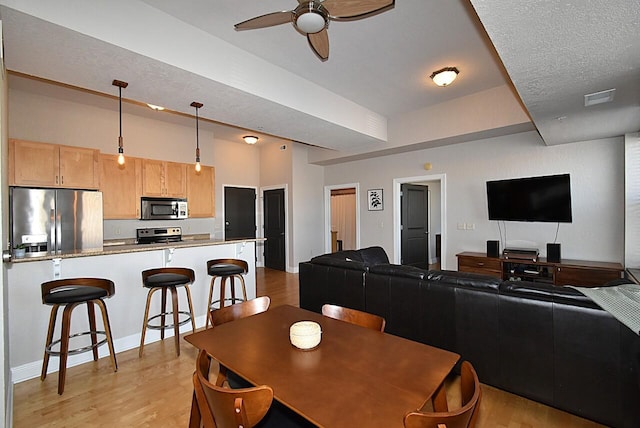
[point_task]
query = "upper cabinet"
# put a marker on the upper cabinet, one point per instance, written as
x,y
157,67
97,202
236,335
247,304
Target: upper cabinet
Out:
x,y
161,178
52,165
200,191
120,186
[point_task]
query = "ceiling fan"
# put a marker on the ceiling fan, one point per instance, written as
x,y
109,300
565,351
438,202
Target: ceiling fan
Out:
x,y
311,18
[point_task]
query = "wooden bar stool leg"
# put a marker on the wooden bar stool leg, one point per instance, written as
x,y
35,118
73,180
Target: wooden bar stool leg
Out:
x,y
233,289
107,330
163,311
92,328
64,345
213,279
176,316
190,303
223,287
52,324
145,321
244,288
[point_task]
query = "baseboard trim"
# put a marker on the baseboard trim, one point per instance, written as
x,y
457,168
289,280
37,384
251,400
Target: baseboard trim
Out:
x,y
32,370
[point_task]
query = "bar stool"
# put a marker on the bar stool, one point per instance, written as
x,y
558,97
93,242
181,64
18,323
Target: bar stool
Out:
x,y
225,269
70,293
168,278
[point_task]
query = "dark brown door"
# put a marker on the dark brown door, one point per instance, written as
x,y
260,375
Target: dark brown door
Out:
x,y
239,213
415,233
274,231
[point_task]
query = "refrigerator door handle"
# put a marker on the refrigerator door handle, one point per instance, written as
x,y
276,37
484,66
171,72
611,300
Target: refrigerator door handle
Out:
x,y
52,233
59,234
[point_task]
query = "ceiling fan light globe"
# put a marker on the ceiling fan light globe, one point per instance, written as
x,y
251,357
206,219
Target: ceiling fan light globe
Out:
x,y
310,22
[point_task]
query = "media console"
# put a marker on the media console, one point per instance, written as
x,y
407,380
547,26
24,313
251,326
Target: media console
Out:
x,y
567,272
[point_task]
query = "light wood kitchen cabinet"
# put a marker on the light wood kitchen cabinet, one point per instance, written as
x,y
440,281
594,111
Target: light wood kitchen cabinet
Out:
x,y
52,165
162,178
201,191
121,186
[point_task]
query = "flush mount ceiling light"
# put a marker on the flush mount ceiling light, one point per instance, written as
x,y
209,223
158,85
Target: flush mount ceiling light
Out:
x,y
444,76
120,84
155,107
250,139
197,105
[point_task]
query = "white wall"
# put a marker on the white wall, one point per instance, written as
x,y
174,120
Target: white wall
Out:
x,y
632,200
308,207
597,181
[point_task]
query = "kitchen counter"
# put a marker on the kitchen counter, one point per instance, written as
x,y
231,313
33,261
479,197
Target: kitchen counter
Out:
x,y
121,261
122,246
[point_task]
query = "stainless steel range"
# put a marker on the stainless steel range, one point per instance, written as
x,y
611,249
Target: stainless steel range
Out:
x,y
155,235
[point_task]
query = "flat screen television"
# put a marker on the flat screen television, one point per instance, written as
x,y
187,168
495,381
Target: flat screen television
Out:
x,y
544,199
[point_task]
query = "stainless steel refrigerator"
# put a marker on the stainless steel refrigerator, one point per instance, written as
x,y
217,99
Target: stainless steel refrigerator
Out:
x,y
56,221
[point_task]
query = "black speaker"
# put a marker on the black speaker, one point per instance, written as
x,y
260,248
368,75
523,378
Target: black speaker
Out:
x,y
493,249
553,253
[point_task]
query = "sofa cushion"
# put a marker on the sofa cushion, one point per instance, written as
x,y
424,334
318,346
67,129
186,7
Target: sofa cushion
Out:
x,y
465,279
548,292
374,256
399,270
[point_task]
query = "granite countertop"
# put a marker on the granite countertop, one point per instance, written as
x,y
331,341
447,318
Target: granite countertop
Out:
x,y
128,245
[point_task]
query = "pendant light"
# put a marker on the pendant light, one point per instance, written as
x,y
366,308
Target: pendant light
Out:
x,y
197,105
120,84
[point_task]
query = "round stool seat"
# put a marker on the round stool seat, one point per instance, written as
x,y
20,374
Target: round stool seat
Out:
x,y
74,295
225,269
166,280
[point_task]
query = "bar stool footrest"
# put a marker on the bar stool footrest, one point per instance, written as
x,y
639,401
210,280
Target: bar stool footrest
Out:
x,y
170,315
75,351
228,299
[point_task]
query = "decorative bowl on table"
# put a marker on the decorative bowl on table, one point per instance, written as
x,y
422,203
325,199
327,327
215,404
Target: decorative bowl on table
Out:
x,y
305,334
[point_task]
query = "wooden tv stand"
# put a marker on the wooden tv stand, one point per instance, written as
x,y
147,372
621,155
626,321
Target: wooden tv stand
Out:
x,y
568,272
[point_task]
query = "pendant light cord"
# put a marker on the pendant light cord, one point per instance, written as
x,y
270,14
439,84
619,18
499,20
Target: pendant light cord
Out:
x,y
120,97
197,130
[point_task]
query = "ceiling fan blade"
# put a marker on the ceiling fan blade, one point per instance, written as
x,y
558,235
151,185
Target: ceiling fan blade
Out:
x,y
356,9
268,20
319,43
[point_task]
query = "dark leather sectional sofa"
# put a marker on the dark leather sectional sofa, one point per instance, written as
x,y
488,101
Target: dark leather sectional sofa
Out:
x,y
550,344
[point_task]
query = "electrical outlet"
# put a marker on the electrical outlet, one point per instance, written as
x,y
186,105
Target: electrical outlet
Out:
x,y
471,226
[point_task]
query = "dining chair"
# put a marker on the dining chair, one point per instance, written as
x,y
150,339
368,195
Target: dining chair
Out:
x,y
221,407
218,317
239,310
441,417
354,316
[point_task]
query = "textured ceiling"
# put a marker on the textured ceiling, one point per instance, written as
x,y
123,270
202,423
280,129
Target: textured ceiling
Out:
x,y
268,80
557,51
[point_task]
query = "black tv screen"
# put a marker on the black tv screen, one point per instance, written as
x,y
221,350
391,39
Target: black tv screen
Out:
x,y
545,199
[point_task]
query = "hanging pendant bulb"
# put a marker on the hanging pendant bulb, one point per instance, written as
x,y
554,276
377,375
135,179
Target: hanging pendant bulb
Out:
x,y
120,84
197,105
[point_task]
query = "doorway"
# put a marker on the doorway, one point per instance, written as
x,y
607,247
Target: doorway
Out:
x,y
342,217
436,217
239,212
274,228
414,231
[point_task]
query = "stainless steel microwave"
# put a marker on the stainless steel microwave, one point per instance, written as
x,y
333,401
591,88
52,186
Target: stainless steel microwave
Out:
x,y
163,208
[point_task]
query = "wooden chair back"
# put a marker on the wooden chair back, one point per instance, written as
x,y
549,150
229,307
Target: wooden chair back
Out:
x,y
243,264
354,316
228,408
189,273
441,417
239,310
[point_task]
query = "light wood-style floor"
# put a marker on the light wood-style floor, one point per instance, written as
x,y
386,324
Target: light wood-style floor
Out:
x,y
155,391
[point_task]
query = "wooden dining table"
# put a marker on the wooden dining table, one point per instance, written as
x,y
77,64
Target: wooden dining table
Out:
x,y
355,377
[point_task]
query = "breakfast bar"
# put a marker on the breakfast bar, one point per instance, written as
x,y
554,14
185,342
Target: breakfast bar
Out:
x,y
123,265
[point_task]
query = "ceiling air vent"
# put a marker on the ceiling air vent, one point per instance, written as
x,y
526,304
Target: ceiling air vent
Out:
x,y
599,97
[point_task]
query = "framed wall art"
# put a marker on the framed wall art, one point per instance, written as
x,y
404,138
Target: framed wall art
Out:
x,y
374,200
